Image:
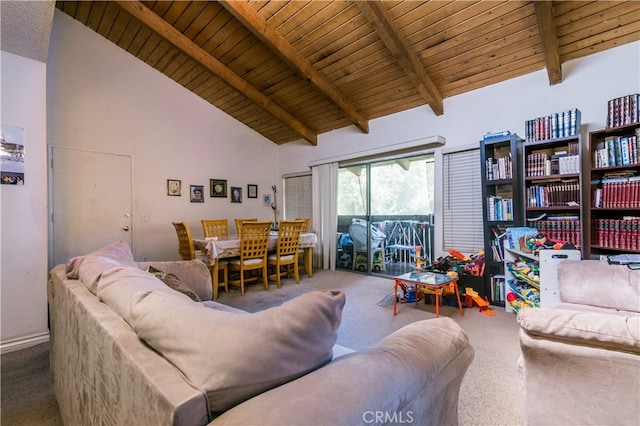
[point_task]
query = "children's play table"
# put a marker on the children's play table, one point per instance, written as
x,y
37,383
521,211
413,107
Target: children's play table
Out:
x,y
427,283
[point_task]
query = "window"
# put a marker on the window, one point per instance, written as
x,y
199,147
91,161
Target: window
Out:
x,y
297,196
462,201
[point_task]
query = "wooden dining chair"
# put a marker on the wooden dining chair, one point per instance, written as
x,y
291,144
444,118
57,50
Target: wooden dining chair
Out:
x,y
254,243
215,227
286,254
188,252
239,224
306,227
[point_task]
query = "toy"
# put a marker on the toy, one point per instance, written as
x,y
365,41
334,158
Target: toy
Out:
x,y
420,261
472,296
540,241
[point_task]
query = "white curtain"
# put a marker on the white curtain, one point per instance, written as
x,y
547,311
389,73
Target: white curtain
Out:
x,y
325,213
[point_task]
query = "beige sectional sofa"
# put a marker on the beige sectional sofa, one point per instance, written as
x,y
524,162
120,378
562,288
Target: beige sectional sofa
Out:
x,y
128,349
582,357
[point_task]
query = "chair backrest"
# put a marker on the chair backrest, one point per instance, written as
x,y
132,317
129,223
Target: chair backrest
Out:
x,y
185,244
306,227
289,237
239,223
215,227
254,240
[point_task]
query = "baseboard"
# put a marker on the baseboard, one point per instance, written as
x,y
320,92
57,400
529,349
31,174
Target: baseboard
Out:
x,y
23,343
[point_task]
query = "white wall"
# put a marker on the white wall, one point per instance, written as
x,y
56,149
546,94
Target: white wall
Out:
x,y
103,99
588,83
23,225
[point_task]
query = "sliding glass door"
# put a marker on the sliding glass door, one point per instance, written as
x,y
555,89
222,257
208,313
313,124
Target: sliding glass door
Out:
x,y
385,213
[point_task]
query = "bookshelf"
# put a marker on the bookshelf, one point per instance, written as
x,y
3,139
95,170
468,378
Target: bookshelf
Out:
x,y
502,205
614,191
552,189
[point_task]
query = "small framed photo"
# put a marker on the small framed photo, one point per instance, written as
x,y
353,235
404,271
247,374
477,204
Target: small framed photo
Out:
x,y
236,194
218,188
174,187
266,200
196,193
252,191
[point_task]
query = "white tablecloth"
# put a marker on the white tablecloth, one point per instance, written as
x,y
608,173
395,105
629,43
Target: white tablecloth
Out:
x,y
229,246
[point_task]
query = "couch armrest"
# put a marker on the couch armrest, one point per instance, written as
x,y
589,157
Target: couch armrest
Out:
x,y
193,273
585,328
413,376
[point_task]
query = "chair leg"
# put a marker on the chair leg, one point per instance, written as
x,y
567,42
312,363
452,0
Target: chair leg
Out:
x,y
296,272
265,277
214,280
225,273
241,282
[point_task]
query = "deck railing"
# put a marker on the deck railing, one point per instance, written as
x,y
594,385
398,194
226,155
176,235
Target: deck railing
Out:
x,y
403,234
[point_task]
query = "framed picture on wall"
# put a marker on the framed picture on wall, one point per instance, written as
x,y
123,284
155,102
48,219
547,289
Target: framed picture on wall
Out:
x,y
196,193
236,194
252,191
266,200
218,188
174,187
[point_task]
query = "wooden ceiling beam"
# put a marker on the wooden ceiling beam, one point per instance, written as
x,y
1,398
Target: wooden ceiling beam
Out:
x,y
549,38
189,48
248,16
400,49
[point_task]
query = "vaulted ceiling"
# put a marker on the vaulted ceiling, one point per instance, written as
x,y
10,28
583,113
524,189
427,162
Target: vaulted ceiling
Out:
x,y
291,70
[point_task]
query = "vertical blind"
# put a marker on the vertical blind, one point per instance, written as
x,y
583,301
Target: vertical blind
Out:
x,y
462,201
297,196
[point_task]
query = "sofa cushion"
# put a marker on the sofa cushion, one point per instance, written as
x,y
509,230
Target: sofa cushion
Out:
x,y
90,267
118,286
587,328
232,357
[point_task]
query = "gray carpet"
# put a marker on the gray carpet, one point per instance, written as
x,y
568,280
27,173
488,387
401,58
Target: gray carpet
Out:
x,y
492,392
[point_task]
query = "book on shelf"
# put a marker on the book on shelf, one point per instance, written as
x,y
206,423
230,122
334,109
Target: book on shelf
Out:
x,y
497,246
557,125
497,288
554,194
499,168
619,234
623,111
499,208
617,151
489,136
617,192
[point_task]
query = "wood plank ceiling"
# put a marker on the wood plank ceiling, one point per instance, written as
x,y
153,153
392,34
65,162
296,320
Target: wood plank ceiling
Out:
x,y
291,70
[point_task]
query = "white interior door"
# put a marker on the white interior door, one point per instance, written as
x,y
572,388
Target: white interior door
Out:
x,y
90,202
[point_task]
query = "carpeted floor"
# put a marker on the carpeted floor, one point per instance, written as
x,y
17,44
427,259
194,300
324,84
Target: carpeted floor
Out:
x,y
492,392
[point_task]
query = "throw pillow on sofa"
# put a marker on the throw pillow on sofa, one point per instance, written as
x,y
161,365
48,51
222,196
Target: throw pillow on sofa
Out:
x,y
173,282
232,357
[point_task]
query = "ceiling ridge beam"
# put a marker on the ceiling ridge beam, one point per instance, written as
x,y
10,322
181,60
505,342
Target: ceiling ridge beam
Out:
x,y
400,49
549,38
266,33
189,48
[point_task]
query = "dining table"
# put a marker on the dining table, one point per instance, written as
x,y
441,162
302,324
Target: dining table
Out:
x,y
226,246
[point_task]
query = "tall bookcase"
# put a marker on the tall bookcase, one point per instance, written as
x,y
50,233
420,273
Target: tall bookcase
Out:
x,y
552,189
614,194
502,205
